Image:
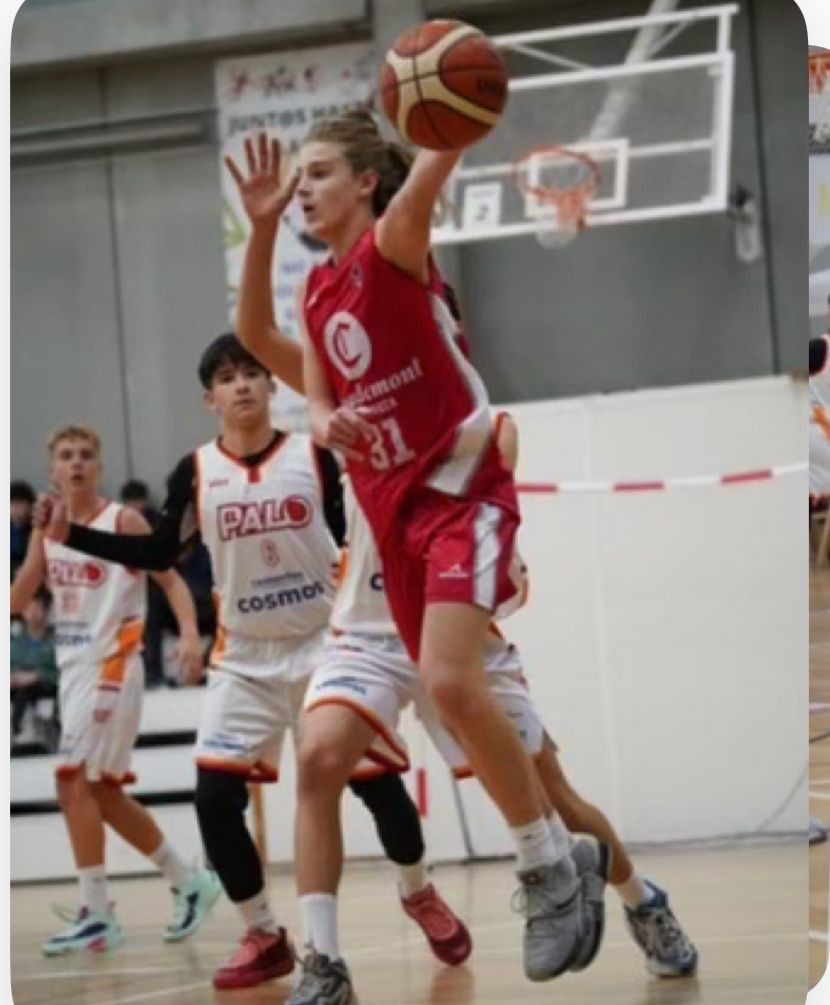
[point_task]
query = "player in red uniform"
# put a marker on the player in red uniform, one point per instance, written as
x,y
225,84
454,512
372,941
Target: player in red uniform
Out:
x,y
389,388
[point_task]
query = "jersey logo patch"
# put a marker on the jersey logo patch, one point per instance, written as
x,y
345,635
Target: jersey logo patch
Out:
x,y
236,520
348,345
66,573
270,554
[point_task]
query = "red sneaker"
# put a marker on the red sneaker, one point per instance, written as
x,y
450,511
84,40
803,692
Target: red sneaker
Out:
x,y
260,957
447,935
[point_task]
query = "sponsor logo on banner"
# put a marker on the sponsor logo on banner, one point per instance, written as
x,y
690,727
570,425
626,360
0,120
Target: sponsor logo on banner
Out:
x,y
284,94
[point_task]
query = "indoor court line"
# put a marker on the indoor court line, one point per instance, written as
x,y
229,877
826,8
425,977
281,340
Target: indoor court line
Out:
x,y
120,972
176,989
819,937
825,796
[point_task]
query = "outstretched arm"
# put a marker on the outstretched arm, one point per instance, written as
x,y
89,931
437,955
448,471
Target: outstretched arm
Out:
x,y
403,232
30,575
264,198
154,551
189,648
341,428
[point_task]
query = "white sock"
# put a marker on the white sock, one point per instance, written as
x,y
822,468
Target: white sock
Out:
x,y
93,883
634,892
319,912
257,913
412,878
535,847
174,868
560,835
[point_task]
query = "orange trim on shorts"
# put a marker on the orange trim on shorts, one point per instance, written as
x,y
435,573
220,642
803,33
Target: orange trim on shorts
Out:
x,y
128,640
371,772
128,778
67,770
379,727
257,772
70,770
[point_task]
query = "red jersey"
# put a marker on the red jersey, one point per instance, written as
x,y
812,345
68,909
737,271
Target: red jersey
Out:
x,y
388,345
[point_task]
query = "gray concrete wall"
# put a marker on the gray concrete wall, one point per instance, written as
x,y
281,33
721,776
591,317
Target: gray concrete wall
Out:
x,y
118,281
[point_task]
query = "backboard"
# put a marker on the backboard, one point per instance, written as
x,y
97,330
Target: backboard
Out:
x,y
648,98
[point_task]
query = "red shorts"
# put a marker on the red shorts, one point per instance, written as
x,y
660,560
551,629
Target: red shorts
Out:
x,y
447,550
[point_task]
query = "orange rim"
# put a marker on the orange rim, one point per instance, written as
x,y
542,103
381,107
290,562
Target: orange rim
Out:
x,y
570,200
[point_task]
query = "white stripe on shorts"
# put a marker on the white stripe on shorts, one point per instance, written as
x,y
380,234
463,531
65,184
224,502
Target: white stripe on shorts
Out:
x,y
487,523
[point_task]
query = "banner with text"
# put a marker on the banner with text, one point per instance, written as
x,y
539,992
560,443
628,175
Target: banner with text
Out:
x,y
284,94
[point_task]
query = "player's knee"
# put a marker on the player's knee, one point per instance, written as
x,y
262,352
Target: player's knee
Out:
x,y
395,816
70,789
107,796
219,794
320,768
457,702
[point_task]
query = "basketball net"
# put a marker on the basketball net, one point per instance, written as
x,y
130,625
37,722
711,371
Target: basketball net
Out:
x,y
819,80
558,185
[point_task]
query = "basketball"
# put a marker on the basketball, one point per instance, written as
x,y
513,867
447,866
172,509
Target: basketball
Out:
x,y
443,85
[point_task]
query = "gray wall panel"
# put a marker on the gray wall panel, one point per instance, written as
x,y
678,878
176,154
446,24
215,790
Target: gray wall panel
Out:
x,y
645,305
64,346
780,46
168,226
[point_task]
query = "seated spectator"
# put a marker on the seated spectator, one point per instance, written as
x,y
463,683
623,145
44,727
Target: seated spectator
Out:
x,y
33,667
20,512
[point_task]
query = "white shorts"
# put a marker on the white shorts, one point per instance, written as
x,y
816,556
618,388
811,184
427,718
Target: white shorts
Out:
x,y
289,659
375,676
510,690
100,721
244,721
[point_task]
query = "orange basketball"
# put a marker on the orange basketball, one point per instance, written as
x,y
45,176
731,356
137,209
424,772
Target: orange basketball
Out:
x,y
443,85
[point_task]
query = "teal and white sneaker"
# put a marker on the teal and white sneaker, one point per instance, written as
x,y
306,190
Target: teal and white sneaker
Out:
x,y
192,905
655,929
96,932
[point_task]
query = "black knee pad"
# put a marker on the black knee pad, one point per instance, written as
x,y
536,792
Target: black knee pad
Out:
x,y
221,798
395,815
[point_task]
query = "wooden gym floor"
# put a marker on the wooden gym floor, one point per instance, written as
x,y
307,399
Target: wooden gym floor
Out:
x,y
744,908
819,762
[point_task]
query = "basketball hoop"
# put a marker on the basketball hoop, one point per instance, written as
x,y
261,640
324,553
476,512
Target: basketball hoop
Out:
x,y
819,82
558,184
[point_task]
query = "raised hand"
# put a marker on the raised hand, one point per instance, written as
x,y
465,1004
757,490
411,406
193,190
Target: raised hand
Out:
x,y
347,431
264,195
50,516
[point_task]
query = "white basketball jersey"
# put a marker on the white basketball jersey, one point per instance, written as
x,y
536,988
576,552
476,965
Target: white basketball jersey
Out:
x,y
273,556
99,606
360,606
